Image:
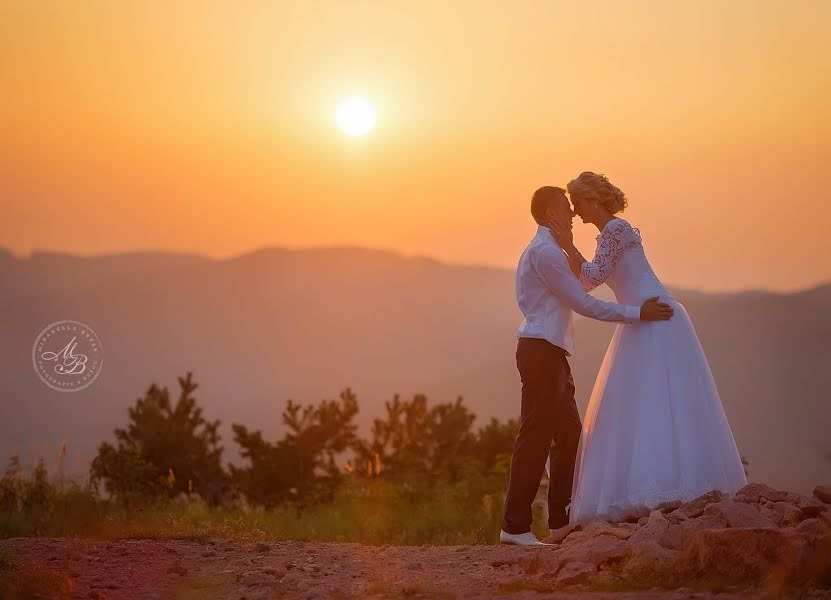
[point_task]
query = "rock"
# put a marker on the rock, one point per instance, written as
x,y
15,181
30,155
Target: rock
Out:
x,y
605,578
603,528
560,534
814,529
816,560
575,572
596,551
750,555
649,557
262,547
754,492
738,514
695,508
668,507
823,493
783,514
772,515
809,507
675,535
652,530
575,536
542,561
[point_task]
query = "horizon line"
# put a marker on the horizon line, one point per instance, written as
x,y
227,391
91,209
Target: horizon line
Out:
x,y
235,256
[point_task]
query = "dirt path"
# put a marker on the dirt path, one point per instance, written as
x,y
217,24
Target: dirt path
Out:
x,y
162,569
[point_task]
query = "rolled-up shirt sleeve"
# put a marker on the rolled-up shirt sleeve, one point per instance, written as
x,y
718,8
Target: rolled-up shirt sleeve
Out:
x,y
551,265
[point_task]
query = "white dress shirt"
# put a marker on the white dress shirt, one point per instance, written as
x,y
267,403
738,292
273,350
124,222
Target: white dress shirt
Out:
x,y
547,292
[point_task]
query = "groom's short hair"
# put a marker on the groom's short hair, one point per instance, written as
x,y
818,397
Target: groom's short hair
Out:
x,y
543,199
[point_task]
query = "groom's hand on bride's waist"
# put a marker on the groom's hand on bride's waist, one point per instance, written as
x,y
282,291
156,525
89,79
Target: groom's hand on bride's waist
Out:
x,y
652,310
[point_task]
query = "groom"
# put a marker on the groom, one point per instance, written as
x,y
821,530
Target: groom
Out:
x,y
547,292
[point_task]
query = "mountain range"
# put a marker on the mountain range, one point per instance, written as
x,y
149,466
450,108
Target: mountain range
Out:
x,y
274,324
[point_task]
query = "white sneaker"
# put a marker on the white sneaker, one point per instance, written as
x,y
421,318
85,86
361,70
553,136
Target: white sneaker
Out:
x,y
519,539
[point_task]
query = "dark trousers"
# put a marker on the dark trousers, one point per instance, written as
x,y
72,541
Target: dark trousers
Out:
x,y
549,426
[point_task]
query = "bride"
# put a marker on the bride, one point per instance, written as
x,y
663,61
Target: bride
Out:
x,y
655,430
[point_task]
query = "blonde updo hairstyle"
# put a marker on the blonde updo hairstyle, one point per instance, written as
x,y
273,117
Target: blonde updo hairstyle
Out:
x,y
600,189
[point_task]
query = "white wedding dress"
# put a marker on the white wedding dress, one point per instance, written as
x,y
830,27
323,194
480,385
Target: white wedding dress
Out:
x,y
655,430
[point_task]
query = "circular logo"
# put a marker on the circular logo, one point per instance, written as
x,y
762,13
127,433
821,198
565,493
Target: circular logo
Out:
x,y
67,356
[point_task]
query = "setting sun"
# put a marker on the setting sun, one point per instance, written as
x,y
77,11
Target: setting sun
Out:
x,y
355,116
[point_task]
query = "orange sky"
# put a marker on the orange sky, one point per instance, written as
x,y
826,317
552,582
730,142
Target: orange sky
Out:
x,y
209,127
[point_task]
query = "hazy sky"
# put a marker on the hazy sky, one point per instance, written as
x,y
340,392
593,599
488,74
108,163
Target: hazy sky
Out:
x,y
209,127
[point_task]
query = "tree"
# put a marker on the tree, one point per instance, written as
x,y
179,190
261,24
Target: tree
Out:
x,y
415,439
495,442
165,447
300,467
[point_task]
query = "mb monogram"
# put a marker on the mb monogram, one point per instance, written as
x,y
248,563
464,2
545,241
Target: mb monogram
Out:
x,y
67,356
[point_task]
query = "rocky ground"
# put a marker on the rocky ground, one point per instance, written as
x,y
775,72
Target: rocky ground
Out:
x,y
759,543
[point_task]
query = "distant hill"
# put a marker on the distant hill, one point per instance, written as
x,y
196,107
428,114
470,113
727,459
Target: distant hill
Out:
x,y
276,324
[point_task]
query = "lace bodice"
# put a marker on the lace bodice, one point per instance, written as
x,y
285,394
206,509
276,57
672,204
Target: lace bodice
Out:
x,y
621,262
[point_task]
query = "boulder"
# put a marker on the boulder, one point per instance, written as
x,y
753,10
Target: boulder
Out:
x,y
810,507
575,572
574,536
754,492
695,508
603,528
560,534
538,560
675,535
823,493
651,531
816,560
782,514
747,555
668,507
738,514
791,515
814,529
650,557
605,579
596,551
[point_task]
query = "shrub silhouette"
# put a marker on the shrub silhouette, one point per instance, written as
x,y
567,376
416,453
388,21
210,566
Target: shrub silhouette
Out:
x,y
165,449
169,449
300,467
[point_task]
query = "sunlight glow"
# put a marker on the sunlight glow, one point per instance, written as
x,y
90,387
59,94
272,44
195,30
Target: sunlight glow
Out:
x,y
355,116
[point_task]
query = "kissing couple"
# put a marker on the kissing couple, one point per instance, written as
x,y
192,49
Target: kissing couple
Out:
x,y
655,429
